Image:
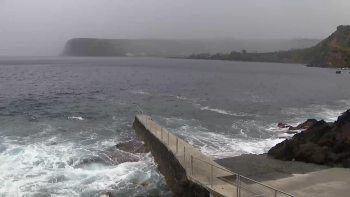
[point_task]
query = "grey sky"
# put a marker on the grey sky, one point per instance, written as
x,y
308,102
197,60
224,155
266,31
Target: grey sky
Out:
x,y
41,27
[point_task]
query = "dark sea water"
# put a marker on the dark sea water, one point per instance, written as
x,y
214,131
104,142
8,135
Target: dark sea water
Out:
x,y
61,117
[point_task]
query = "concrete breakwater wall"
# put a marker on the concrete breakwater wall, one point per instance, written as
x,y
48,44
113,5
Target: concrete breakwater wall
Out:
x,y
169,165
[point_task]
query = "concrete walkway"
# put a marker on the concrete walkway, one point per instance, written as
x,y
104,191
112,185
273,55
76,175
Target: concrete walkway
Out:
x,y
204,171
202,166
325,183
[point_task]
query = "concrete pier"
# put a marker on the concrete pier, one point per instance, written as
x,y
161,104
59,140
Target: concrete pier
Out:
x,y
190,173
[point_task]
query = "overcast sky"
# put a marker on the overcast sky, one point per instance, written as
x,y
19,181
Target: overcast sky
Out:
x,y
41,27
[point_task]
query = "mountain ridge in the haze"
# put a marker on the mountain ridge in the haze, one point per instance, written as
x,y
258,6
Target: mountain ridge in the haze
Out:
x,y
175,48
334,51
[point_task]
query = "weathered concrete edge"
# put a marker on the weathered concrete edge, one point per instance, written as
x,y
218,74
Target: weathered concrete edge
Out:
x,y
168,164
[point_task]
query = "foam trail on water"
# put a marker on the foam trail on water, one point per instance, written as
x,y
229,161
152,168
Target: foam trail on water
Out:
x,y
221,111
139,92
74,117
318,112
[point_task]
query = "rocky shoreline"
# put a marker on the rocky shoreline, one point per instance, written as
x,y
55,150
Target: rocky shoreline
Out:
x,y
320,143
316,146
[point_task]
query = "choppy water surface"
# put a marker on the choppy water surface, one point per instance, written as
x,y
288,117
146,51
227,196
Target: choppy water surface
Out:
x,y
60,118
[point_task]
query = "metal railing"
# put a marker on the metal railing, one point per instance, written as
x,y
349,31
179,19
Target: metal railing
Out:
x,y
211,174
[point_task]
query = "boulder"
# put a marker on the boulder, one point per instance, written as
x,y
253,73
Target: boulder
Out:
x,y
107,194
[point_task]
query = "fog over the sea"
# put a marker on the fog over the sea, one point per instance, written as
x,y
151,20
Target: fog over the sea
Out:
x,y
41,27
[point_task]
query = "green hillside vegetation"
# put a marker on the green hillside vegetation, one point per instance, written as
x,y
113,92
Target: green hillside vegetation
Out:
x,y
333,51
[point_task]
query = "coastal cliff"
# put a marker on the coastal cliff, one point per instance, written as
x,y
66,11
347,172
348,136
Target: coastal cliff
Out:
x,y
94,47
173,48
333,51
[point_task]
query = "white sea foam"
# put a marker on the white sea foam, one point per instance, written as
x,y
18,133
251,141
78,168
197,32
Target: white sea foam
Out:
x,y
256,99
222,146
318,112
75,117
243,134
49,165
218,145
221,111
185,98
194,100
139,92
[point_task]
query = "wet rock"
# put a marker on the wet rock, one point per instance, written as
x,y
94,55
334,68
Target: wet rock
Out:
x,y
343,119
292,132
50,143
120,156
132,146
144,184
283,126
304,125
346,162
320,143
107,194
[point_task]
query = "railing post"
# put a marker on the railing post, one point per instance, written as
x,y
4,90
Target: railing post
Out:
x,y
168,139
184,156
237,179
177,144
212,175
239,186
275,193
191,165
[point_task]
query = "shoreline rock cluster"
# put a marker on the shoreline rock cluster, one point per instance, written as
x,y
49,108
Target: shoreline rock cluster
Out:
x,y
321,143
303,126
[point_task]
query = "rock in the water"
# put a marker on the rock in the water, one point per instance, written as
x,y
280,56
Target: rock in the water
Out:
x,y
304,125
292,132
283,126
320,143
120,156
107,194
132,146
144,184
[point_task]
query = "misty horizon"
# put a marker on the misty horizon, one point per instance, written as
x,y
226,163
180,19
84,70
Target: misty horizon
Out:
x,y
41,28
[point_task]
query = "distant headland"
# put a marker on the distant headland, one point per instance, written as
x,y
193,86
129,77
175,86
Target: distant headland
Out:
x,y
333,51
180,48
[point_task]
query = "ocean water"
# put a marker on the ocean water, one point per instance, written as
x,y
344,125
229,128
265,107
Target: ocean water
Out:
x,y
61,117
